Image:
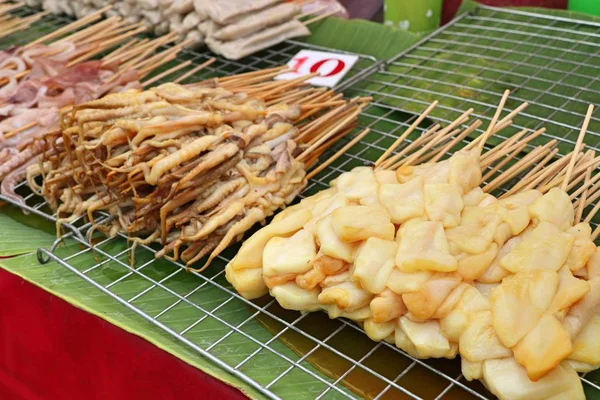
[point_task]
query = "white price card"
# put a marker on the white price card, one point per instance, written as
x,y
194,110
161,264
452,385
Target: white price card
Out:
x,y
331,67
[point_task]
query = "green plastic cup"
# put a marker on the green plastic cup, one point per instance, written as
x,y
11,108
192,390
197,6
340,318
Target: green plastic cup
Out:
x,y
585,6
414,16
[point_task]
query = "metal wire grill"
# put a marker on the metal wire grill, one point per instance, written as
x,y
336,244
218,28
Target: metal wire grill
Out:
x,y
443,66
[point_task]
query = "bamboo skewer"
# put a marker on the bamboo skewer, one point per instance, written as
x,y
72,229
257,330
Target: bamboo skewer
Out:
x,y
518,149
195,69
166,73
515,169
344,149
492,125
582,199
72,26
402,137
578,146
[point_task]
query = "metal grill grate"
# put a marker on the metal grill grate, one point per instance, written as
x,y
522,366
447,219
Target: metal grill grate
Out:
x,y
446,66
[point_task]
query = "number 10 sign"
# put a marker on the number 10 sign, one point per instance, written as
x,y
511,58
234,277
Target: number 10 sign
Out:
x,y
331,67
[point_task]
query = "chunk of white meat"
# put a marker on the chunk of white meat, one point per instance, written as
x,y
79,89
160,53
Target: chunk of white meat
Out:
x,y
586,346
363,184
387,306
379,331
451,301
356,223
335,279
330,243
471,370
359,315
465,170
423,247
323,208
293,255
403,201
554,207
424,303
508,380
428,339
479,341
543,348
582,367
347,296
476,231
457,320
570,290
583,247
514,209
581,312
546,247
473,197
248,283
407,282
432,173
520,301
443,202
470,267
250,255
375,260
495,273
292,297
386,176
593,265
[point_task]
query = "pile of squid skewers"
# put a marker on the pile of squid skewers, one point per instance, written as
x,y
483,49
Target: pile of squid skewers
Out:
x,y
191,167
230,28
420,253
55,72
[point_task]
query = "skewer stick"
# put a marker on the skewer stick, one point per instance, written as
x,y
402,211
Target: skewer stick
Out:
x,y
332,132
21,129
582,199
596,231
492,125
519,148
166,73
561,176
464,117
526,140
505,146
252,74
531,174
589,155
320,17
195,69
578,146
476,124
513,113
337,155
407,132
72,26
515,169
591,183
439,138
427,135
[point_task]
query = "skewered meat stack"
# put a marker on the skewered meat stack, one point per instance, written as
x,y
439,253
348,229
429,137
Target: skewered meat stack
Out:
x,y
192,167
422,257
233,29
40,79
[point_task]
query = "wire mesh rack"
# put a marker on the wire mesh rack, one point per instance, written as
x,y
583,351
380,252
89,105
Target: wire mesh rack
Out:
x,y
466,64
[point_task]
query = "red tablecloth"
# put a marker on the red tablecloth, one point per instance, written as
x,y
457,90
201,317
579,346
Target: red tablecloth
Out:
x,y
52,350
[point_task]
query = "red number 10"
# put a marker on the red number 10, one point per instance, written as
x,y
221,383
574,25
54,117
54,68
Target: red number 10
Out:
x,y
299,62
